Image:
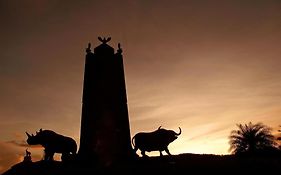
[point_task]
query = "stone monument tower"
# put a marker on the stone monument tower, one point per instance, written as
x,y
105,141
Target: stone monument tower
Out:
x,y
105,131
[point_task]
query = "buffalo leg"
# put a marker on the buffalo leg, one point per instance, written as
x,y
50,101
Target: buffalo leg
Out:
x,y
167,151
143,154
135,149
161,153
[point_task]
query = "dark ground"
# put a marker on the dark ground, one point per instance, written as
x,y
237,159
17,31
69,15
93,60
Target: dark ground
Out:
x,y
183,163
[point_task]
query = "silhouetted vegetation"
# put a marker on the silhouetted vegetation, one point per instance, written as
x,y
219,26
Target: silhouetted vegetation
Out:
x,y
251,139
27,157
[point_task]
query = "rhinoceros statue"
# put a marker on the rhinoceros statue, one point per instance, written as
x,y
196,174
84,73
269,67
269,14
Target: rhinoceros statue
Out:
x,y
53,143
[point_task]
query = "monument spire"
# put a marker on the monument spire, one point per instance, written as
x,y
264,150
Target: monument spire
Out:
x,y
105,131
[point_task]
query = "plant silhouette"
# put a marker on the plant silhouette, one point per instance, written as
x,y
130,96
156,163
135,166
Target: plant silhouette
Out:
x,y
251,138
27,157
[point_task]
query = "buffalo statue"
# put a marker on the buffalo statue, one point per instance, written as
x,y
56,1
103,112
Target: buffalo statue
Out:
x,y
53,143
157,140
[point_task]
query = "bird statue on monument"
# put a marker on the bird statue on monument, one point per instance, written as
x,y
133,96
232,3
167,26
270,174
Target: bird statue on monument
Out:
x,y
104,40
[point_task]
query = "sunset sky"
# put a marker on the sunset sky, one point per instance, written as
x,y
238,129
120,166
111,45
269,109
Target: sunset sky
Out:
x,y
202,65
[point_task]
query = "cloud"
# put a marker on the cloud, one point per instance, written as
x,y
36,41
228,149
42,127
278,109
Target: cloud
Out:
x,y
9,155
13,151
22,143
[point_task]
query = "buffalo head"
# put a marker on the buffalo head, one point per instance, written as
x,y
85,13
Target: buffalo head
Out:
x,y
170,135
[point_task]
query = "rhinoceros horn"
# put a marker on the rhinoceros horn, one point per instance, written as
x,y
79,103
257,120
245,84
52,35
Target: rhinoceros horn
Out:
x,y
28,135
159,127
179,132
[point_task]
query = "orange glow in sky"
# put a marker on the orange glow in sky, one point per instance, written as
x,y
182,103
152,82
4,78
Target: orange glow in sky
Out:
x,y
203,67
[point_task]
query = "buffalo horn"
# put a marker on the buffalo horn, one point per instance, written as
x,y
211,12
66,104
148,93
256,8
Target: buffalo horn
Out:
x,y
179,132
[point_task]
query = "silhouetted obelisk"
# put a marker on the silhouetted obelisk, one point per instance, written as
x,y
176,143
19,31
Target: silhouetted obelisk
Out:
x,y
105,131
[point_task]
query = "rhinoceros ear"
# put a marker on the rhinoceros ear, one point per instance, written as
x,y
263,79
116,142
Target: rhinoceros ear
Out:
x,y
28,135
40,130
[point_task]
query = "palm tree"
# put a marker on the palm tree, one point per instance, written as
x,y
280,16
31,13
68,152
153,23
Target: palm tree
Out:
x,y
250,138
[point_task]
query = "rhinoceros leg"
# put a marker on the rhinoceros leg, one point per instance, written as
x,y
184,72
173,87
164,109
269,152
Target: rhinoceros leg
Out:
x,y
66,156
49,155
167,151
